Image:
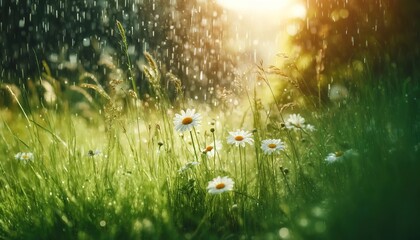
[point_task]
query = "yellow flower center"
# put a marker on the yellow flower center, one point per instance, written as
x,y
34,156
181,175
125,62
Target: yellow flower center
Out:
x,y
339,154
239,138
187,120
209,148
272,145
25,156
220,186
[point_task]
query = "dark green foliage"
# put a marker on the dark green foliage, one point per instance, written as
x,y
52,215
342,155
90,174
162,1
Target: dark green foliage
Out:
x,y
340,37
381,193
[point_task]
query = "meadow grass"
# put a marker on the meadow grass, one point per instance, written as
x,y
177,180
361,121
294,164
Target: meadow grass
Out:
x,y
126,173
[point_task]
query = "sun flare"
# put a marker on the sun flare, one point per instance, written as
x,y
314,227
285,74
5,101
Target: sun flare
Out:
x,y
255,5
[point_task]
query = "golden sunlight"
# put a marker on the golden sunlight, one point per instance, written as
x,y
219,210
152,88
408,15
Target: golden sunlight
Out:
x,y
255,5
262,27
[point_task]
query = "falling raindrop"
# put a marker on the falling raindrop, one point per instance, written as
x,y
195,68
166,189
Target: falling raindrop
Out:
x,y
204,43
86,42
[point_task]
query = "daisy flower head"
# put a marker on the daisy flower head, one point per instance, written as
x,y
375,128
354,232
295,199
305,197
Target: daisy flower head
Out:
x,y
295,121
220,185
211,149
340,156
270,146
25,157
240,138
309,128
186,120
188,166
334,157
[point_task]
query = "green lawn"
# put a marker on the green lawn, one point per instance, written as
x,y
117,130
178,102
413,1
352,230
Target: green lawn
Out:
x,y
346,170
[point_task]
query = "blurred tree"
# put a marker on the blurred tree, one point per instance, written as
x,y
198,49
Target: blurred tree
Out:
x,y
341,38
184,36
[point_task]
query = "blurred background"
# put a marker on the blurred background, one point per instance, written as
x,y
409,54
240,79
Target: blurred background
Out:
x,y
208,44
327,49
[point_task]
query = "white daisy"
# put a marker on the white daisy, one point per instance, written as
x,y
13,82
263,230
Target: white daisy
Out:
x,y
188,166
270,146
220,185
25,157
334,157
309,128
211,149
339,155
240,138
295,121
186,120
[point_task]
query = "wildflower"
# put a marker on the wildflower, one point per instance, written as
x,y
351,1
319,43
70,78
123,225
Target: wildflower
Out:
x,y
188,166
25,157
334,157
186,120
93,153
270,146
339,155
240,138
295,121
309,128
220,185
211,149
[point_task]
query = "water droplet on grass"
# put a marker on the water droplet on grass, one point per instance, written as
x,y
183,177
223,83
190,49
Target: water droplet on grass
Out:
x,y
102,223
284,233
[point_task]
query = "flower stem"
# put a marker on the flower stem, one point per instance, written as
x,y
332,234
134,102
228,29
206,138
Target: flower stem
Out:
x,y
195,150
215,152
285,180
242,164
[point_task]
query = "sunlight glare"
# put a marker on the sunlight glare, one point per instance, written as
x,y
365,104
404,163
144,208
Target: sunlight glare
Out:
x,y
261,28
255,5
